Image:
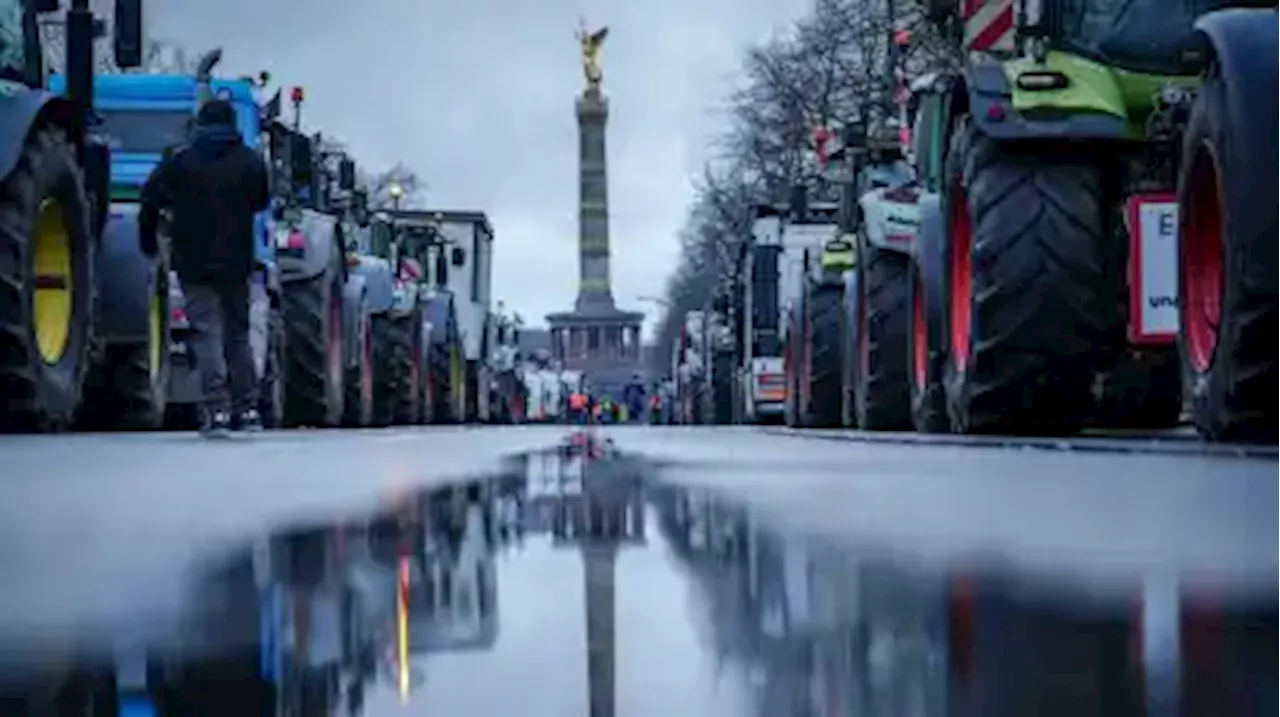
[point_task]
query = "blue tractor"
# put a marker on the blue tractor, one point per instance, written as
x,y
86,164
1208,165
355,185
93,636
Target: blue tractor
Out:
x,y
145,116
54,173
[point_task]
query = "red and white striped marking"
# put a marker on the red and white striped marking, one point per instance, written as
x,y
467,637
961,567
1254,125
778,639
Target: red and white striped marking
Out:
x,y
988,25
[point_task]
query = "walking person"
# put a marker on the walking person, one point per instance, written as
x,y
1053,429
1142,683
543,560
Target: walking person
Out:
x,y
213,187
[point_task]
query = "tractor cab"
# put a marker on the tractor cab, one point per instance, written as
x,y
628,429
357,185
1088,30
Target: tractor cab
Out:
x,y
19,50
1145,36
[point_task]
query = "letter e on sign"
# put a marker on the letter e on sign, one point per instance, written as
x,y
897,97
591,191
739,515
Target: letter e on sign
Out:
x,y
1157,276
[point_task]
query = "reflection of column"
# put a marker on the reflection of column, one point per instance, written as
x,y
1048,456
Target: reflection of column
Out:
x,y
598,575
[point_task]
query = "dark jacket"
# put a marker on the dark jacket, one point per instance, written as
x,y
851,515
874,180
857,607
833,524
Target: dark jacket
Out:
x,y
213,187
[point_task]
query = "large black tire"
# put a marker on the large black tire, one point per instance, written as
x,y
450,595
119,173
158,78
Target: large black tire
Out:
x,y
129,388
442,399
1227,257
881,394
1032,300
397,393
272,387
826,307
314,394
359,380
37,394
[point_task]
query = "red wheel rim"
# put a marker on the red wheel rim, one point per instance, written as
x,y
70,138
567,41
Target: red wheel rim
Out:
x,y
919,335
366,366
333,345
415,382
961,310
864,351
1201,263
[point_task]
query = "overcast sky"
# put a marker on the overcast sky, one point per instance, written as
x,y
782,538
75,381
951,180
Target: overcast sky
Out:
x,y
477,97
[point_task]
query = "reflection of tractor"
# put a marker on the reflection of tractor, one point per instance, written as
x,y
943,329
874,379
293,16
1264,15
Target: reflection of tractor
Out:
x,y
328,364
1074,140
53,207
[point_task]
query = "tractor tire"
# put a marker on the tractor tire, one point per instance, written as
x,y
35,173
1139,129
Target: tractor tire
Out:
x,y
359,381
882,398
271,389
848,418
128,389
924,359
1031,296
314,393
42,376
1144,390
442,400
1227,260
826,305
397,393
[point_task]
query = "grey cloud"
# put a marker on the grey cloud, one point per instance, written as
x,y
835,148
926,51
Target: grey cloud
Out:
x,y
478,97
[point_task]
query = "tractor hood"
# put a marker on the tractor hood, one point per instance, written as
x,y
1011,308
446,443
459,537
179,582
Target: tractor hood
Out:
x,y
129,171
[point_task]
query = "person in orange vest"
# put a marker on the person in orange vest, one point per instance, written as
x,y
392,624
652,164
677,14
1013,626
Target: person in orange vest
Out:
x,y
578,407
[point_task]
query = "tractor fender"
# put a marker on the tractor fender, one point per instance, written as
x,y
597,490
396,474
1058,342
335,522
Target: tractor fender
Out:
x,y
354,291
318,252
21,108
443,319
378,282
984,88
932,263
1245,44
889,224
126,279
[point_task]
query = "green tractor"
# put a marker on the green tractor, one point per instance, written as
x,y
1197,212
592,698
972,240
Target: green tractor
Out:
x,y
54,191
1108,218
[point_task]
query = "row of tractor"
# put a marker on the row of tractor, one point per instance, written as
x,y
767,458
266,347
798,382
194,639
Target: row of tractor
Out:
x,y
362,314
1075,230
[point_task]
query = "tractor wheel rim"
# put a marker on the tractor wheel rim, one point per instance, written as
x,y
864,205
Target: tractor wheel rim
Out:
x,y
366,365
1202,263
155,338
333,344
961,308
53,304
919,335
864,350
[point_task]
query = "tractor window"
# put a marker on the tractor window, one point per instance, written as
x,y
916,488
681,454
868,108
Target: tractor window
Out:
x,y
13,45
144,131
1142,35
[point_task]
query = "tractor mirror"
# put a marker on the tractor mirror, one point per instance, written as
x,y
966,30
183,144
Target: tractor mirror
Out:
x,y
854,135
127,43
457,256
300,156
346,174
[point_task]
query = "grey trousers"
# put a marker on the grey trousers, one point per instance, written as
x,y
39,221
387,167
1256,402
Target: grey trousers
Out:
x,y
219,317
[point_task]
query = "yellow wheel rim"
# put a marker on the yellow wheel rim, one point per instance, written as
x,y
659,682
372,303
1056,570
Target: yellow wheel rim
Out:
x,y
156,342
53,305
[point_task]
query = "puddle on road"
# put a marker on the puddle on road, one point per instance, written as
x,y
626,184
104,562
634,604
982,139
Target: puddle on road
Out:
x,y
577,583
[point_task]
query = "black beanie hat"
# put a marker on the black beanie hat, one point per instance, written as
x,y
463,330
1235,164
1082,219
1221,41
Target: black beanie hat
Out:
x,y
217,112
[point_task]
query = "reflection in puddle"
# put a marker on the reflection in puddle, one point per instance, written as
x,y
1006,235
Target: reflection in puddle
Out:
x,y
577,583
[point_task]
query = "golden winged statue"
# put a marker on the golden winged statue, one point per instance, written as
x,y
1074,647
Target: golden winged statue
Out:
x,y
591,44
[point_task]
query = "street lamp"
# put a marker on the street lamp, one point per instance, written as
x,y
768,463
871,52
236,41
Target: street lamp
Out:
x,y
396,191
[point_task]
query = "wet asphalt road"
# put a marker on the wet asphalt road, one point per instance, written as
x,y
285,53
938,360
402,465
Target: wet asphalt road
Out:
x,y
105,534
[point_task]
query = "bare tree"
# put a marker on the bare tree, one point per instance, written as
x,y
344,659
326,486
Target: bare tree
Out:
x,y
834,67
411,185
